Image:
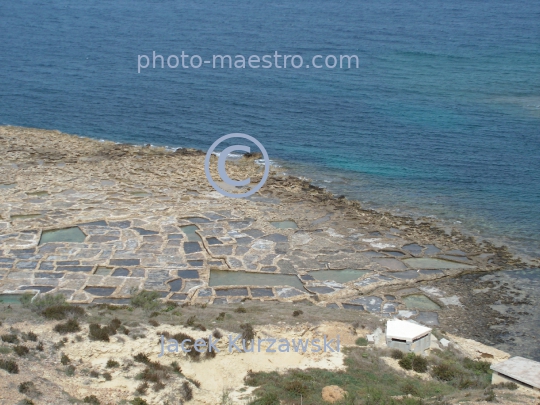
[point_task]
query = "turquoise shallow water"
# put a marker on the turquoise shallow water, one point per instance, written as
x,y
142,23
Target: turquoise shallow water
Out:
x,y
442,117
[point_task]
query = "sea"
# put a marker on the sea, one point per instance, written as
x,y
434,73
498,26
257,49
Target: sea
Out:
x,y
440,118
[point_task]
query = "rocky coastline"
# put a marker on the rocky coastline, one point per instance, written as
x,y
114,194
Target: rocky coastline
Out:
x,y
151,221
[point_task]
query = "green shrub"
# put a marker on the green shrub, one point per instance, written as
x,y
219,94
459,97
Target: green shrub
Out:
x,y
217,334
407,361
154,372
419,364
141,358
51,306
107,376
200,326
191,321
194,355
25,401
61,312
21,350
39,347
361,341
71,326
142,388
397,354
112,363
70,370
410,388
479,367
188,391
115,323
221,316
153,322
28,388
489,395
297,312
96,332
240,310
268,398
10,338
506,385
252,379
10,366
297,387
92,400
247,332
147,300
176,367
158,386
94,374
181,336
445,372
65,360
138,401
464,381
31,336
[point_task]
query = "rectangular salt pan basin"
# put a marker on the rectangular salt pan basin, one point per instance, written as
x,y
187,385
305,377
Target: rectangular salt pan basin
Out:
x,y
220,278
73,235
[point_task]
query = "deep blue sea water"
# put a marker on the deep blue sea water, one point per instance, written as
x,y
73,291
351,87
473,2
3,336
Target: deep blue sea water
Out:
x,y
441,118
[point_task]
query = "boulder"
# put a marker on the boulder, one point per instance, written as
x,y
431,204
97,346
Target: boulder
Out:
x,y
332,393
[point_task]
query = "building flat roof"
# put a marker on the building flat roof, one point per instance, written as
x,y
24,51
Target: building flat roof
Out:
x,y
405,330
521,369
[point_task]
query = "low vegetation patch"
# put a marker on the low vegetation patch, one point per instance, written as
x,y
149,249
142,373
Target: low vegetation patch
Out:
x,y
29,388
361,341
10,338
506,386
71,326
367,380
147,300
248,333
60,312
112,364
31,336
141,358
188,391
21,350
397,354
51,306
138,401
65,360
97,332
92,400
70,370
191,321
411,361
142,388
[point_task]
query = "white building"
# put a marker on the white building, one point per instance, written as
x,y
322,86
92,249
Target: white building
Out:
x,y
523,372
407,336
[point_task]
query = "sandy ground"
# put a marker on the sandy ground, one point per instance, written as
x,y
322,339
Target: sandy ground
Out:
x,y
224,373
